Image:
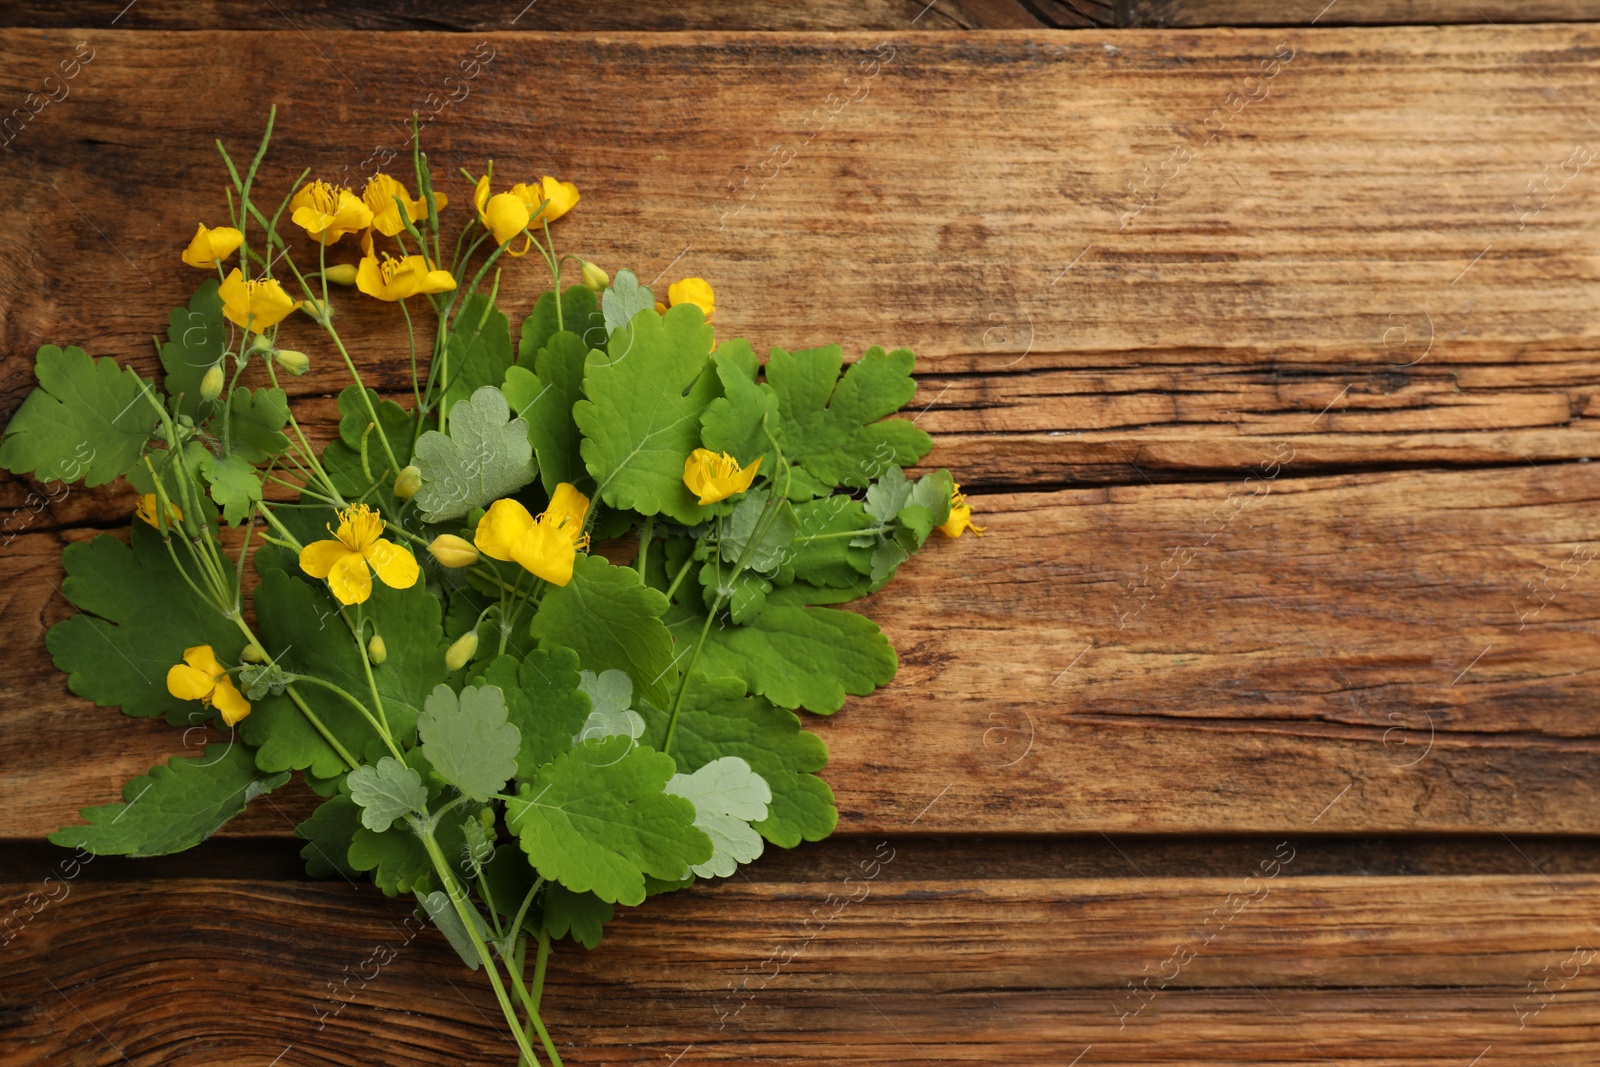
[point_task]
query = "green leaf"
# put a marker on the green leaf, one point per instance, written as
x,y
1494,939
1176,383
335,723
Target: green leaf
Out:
x,y
255,424
824,551
733,422
444,915
302,626
641,418
397,859
543,701
173,807
597,820
612,620
197,337
830,426
235,486
137,617
468,740
718,719
479,349
88,419
611,694
740,526
583,915
580,314
744,596
544,397
486,456
386,791
625,299
802,657
328,834
728,796
342,458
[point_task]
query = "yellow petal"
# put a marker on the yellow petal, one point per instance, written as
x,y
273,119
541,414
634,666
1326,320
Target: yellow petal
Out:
x,y
319,557
562,197
506,215
350,580
235,296
370,280
501,528
480,197
696,291
210,245
396,567
437,281
201,658
548,552
567,509
187,683
228,700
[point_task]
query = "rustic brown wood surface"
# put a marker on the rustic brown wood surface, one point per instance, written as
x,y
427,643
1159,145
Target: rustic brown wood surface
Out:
x,y
1334,333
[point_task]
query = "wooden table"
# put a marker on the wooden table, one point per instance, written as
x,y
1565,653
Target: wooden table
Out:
x,y
1259,729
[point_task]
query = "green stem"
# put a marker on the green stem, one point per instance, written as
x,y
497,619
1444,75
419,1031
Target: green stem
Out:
x,y
360,632
757,534
646,533
362,708
459,899
683,570
416,383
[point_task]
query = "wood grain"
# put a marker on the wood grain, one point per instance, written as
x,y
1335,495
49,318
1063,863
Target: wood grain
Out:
x,y
1352,652
1362,268
702,15
906,967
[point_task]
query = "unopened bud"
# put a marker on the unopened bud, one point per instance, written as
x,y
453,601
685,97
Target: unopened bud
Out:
x,y
594,277
486,817
316,310
261,343
407,482
296,363
341,274
460,654
253,654
452,551
377,651
211,384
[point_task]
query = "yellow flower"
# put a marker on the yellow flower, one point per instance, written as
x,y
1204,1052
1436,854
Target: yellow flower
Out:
x,y
212,246
562,197
547,546
960,515
258,304
504,214
344,560
147,510
715,477
395,279
200,677
379,196
696,291
328,212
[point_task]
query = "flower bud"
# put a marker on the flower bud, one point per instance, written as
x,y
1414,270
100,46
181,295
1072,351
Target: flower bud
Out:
x,y
341,274
252,654
377,651
407,482
452,551
296,363
261,343
594,277
486,817
316,310
211,384
460,654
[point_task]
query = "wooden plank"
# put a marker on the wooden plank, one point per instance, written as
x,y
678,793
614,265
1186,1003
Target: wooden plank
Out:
x,y
902,967
1362,268
1346,653
837,15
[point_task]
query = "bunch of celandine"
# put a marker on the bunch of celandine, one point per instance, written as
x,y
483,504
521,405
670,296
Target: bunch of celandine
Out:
x,y
519,732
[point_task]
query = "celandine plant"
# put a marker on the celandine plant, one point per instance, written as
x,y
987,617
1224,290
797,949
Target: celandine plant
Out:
x,y
515,730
